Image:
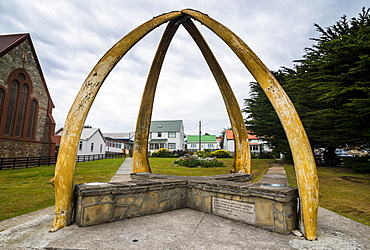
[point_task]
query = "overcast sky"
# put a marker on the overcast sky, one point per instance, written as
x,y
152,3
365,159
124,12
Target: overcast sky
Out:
x,y
70,36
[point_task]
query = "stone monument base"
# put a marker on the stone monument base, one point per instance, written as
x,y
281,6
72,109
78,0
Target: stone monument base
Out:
x,y
268,206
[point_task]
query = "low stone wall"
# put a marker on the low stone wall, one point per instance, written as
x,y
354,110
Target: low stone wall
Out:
x,y
273,208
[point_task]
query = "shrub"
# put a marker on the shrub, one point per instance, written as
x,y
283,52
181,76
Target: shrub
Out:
x,y
190,161
193,161
203,153
178,153
211,163
221,154
266,155
358,164
162,152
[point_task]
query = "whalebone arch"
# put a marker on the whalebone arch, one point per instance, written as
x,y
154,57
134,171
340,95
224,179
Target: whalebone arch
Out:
x,y
302,155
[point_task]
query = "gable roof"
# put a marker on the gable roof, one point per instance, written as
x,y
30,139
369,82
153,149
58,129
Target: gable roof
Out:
x,y
9,42
166,126
87,133
204,138
119,136
230,135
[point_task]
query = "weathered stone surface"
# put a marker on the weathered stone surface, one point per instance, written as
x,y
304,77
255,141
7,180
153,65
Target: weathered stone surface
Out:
x,y
278,216
118,212
165,205
291,223
207,202
88,200
97,214
273,209
263,210
150,203
279,227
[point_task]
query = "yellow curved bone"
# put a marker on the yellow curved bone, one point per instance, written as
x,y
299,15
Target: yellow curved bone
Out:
x,y
65,166
242,159
302,154
304,161
140,152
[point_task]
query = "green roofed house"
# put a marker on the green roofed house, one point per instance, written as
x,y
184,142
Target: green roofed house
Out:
x,y
206,141
166,134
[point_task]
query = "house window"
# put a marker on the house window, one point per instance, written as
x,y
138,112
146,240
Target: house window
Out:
x,y
193,145
80,146
210,145
92,147
171,134
171,145
254,148
159,134
156,145
101,148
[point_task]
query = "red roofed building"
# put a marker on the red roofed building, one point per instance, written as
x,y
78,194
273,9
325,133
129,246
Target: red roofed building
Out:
x,y
26,121
257,145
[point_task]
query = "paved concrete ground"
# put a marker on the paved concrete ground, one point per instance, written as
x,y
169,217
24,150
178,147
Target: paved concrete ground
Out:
x,y
123,172
180,229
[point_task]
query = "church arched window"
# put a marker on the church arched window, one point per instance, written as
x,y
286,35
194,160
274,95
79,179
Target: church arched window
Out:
x,y
21,110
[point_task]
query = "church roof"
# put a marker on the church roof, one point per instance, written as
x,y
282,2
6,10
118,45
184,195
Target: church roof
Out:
x,y
9,42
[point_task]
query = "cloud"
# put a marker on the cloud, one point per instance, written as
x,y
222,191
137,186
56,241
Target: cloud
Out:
x,y
71,36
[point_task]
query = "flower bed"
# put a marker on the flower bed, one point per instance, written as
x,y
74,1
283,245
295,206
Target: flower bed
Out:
x,y
193,161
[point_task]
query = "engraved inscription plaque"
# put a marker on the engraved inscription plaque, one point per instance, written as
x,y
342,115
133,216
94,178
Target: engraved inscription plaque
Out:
x,y
235,210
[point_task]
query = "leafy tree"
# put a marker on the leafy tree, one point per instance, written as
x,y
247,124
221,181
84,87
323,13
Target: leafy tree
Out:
x,y
330,88
262,119
334,75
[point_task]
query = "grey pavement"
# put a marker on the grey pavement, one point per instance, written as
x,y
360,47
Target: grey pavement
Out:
x,y
124,171
179,229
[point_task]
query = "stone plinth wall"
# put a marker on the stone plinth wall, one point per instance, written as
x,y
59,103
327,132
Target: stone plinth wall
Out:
x,y
99,203
269,207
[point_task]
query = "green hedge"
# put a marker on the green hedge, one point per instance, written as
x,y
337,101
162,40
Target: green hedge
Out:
x,y
358,164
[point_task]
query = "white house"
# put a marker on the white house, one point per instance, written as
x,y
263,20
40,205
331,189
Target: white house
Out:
x,y
119,142
257,145
166,134
92,142
206,142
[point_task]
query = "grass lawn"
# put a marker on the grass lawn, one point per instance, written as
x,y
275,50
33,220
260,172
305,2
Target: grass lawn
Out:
x,y
163,166
26,190
343,191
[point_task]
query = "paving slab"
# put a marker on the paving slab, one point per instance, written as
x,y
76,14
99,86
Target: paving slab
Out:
x,y
182,229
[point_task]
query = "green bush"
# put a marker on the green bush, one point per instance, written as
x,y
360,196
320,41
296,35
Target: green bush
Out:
x,y
162,152
190,161
267,155
193,161
211,163
358,164
221,154
203,153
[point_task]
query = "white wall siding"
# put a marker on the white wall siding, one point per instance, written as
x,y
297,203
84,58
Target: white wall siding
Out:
x,y
98,142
